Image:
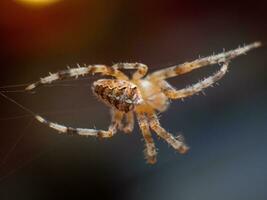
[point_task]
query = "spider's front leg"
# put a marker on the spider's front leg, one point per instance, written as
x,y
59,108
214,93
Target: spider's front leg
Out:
x,y
176,143
150,150
141,69
76,72
210,60
172,93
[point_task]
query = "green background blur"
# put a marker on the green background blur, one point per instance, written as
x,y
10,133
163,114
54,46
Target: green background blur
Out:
x,y
226,129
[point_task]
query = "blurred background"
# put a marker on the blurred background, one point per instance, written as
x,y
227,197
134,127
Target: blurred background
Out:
x,y
226,129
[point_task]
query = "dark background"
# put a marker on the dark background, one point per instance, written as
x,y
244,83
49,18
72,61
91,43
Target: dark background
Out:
x,y
226,129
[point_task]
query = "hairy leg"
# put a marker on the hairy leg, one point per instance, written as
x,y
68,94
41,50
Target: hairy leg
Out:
x,y
141,69
172,93
150,150
128,128
176,143
75,131
210,60
70,130
76,72
116,118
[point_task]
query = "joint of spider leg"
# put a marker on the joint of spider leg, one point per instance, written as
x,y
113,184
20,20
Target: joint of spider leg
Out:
x,y
117,65
71,131
222,61
104,134
141,65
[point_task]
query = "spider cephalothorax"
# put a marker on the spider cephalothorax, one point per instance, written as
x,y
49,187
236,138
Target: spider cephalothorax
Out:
x,y
144,96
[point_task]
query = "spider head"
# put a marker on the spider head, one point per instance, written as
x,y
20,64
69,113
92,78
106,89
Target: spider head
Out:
x,y
120,94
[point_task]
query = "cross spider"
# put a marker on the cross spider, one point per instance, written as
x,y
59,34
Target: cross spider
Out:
x,y
141,95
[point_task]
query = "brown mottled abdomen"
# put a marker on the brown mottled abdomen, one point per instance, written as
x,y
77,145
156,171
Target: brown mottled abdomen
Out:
x,y
120,94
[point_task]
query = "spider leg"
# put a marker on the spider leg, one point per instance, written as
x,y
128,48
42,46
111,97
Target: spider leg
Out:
x,y
210,60
129,126
150,150
116,118
76,72
172,93
75,131
176,143
141,69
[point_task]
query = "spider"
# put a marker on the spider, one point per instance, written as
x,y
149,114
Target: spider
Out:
x,y
141,94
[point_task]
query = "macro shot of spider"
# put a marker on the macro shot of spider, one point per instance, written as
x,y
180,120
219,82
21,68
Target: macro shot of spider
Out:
x,y
141,95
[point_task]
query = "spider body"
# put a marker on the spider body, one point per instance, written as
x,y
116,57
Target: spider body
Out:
x,y
119,94
153,96
141,95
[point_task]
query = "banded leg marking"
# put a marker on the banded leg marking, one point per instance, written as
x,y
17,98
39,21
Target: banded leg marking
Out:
x,y
210,60
129,126
150,150
169,138
76,72
74,131
141,69
116,118
172,93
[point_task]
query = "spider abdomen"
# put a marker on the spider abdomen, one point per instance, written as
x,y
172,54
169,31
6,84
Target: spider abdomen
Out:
x,y
120,94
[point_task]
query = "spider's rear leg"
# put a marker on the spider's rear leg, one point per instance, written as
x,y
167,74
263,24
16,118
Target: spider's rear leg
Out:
x,y
76,72
176,143
141,69
172,93
150,150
